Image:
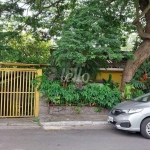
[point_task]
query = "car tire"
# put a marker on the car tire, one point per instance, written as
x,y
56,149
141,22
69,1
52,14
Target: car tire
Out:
x,y
145,128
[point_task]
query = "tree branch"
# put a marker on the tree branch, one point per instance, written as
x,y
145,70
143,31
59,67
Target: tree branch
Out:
x,y
41,10
142,34
139,16
138,24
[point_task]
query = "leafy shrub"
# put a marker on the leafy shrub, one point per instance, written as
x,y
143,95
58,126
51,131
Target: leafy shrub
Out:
x,y
69,96
141,78
137,93
138,85
127,94
91,94
131,92
108,97
97,109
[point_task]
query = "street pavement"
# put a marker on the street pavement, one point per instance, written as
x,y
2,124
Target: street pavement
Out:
x,y
70,134
102,139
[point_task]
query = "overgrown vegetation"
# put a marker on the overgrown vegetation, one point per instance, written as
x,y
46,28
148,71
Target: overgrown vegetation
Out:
x,y
87,40
25,48
75,95
140,83
130,91
141,79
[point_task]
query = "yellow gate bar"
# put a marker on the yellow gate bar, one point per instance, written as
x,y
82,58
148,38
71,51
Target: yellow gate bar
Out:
x,y
39,73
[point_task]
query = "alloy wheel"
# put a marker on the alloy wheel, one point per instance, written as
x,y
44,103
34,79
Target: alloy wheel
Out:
x,y
148,128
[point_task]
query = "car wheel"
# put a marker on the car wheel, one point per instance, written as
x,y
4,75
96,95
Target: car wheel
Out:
x,y
145,128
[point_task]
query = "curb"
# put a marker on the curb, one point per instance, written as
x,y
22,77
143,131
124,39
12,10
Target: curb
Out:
x,y
73,123
19,126
65,125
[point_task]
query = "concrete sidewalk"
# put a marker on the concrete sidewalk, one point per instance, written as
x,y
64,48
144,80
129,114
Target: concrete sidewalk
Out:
x,y
56,122
60,118
75,121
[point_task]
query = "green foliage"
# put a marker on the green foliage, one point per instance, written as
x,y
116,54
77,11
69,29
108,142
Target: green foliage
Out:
x,y
92,67
128,91
97,109
31,49
108,97
42,19
144,68
51,89
88,35
110,83
138,85
8,54
70,96
36,120
101,96
35,15
25,49
137,93
77,110
141,78
91,94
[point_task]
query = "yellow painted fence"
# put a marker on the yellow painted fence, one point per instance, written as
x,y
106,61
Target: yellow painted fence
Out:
x,y
18,97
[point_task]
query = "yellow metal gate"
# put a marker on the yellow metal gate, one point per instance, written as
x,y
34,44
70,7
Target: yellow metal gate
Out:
x,y
18,97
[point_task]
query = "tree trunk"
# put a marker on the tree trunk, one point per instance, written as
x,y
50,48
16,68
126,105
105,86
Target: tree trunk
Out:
x,y
140,55
143,52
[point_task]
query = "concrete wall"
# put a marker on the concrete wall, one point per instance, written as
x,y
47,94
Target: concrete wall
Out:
x,y
68,110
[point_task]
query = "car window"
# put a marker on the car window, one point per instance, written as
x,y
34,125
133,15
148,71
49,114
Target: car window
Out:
x,y
143,99
148,99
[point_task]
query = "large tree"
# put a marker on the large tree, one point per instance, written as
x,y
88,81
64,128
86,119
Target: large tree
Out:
x,y
52,15
142,23
42,18
92,35
34,15
30,50
134,16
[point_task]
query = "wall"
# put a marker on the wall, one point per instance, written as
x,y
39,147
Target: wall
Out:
x,y
116,74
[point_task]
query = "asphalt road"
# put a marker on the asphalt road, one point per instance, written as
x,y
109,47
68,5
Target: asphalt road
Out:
x,y
102,139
